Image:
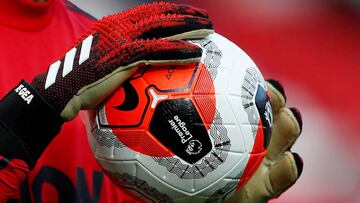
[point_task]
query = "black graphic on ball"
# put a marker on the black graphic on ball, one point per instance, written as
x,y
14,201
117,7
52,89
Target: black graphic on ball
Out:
x,y
178,126
263,105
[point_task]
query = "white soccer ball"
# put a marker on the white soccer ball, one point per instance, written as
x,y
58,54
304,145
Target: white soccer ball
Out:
x,y
193,133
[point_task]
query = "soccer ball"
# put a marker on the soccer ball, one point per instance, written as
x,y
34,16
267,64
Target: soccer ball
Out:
x,y
190,133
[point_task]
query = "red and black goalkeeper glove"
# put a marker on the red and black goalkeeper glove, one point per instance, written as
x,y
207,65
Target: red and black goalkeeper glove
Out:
x,y
99,62
118,44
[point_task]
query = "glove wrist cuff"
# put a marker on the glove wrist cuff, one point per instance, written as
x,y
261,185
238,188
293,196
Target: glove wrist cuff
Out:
x,y
30,118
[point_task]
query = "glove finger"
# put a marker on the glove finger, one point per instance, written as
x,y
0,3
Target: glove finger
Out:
x,y
284,173
160,8
298,117
158,51
170,26
286,129
277,94
278,86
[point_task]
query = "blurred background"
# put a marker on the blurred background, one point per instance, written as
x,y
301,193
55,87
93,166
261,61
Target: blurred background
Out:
x,y
313,48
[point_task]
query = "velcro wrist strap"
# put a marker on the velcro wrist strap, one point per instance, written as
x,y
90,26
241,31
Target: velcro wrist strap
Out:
x,y
30,118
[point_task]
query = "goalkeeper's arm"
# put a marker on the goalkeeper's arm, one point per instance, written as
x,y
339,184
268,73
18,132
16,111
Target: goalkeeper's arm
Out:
x,y
27,124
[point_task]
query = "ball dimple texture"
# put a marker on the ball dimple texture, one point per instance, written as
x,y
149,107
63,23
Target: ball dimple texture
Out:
x,y
206,110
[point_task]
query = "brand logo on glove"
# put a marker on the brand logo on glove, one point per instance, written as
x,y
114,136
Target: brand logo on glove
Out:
x,y
24,93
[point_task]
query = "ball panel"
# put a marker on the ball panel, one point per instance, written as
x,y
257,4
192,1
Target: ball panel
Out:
x,y
237,142
143,142
170,78
136,185
132,116
224,108
203,94
214,181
